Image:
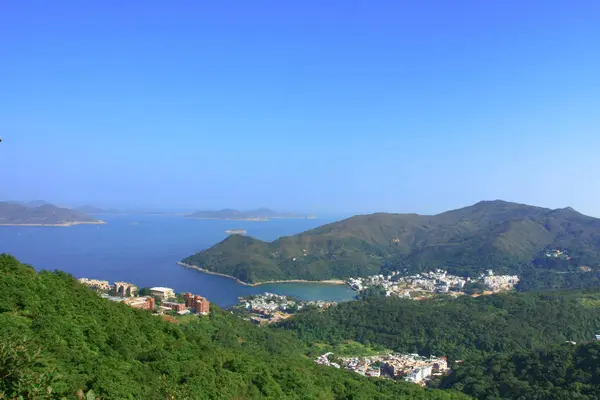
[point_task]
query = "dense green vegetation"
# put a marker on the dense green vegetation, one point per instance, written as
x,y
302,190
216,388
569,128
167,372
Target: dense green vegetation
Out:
x,y
559,372
59,338
460,328
506,237
17,214
540,279
512,346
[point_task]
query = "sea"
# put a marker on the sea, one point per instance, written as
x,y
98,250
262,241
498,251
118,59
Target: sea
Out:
x,y
144,250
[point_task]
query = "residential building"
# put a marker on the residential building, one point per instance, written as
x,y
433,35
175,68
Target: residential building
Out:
x,y
201,306
189,300
163,292
198,303
123,289
143,303
96,284
177,307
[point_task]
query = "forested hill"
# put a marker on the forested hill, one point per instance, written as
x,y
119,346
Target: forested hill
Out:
x,y
564,371
511,346
505,237
58,338
47,214
460,328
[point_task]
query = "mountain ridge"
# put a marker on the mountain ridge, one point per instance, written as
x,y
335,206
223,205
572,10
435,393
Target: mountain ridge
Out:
x,y
499,235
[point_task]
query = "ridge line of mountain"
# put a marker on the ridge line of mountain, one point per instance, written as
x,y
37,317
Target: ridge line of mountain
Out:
x,y
507,237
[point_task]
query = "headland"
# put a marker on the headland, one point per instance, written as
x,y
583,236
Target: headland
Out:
x,y
328,281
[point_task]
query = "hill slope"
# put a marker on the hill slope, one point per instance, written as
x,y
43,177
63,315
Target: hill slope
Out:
x,y
512,344
58,334
559,372
506,237
47,214
460,328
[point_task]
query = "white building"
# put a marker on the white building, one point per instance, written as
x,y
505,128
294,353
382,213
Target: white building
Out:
x,y
418,375
162,292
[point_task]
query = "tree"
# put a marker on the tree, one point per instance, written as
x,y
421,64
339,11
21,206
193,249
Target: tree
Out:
x,y
23,373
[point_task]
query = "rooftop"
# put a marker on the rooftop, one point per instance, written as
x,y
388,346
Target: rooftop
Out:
x,y
161,289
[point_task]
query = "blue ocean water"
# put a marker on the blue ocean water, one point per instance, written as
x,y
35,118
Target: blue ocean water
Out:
x,y
144,250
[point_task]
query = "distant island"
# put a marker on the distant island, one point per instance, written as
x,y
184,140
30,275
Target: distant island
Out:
x,y
261,214
507,237
93,210
87,209
31,203
12,214
236,231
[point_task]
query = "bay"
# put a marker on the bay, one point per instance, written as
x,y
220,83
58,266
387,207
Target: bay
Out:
x,y
144,250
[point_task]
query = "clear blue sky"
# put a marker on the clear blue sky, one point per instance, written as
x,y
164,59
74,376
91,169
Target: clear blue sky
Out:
x,y
325,106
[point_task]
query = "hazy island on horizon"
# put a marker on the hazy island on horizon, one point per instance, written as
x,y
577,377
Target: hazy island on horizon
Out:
x,y
261,214
13,214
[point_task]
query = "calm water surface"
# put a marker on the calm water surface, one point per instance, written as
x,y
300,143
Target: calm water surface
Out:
x,y
144,249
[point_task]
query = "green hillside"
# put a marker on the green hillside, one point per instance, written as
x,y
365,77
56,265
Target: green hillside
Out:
x,y
460,328
511,346
559,372
58,339
505,237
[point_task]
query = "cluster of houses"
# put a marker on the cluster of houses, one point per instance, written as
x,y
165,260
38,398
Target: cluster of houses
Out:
x,y
499,283
127,293
438,281
410,367
325,359
269,307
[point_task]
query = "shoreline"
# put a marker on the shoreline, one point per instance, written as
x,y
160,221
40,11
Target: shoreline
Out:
x,y
327,281
64,224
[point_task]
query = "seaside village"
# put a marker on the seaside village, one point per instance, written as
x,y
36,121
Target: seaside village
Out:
x,y
410,367
438,281
160,300
269,308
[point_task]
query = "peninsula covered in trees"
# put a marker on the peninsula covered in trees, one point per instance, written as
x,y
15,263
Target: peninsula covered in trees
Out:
x,y
509,238
12,214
